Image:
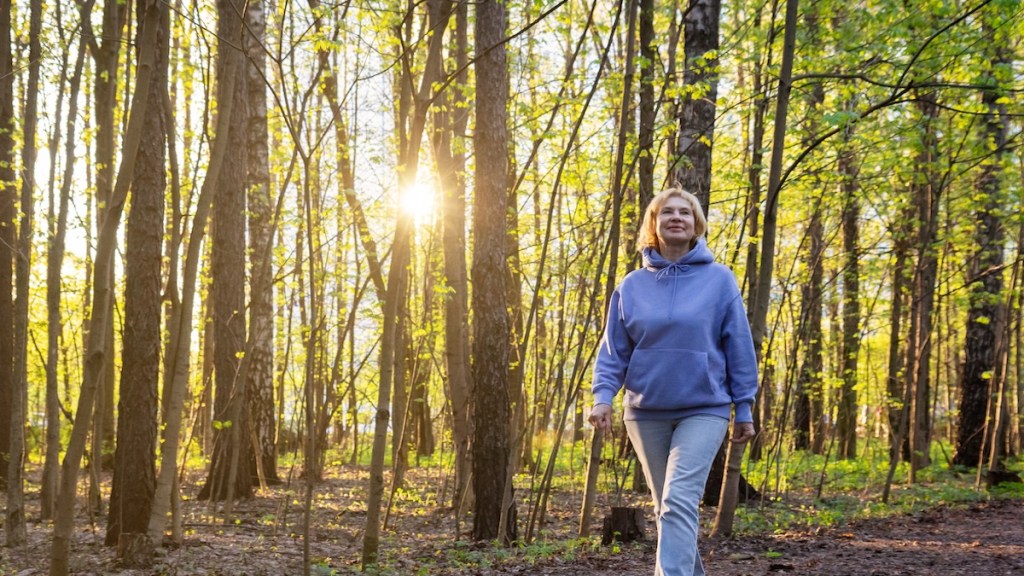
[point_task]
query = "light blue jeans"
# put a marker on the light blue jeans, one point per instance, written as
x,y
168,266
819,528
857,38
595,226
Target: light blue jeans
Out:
x,y
676,456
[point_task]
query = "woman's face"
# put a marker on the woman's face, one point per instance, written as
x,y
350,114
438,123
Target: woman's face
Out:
x,y
675,224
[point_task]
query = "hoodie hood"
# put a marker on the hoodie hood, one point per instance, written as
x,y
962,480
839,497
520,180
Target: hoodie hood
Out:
x,y
699,254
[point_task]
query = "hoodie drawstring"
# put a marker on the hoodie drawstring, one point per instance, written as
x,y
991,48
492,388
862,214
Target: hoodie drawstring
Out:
x,y
674,269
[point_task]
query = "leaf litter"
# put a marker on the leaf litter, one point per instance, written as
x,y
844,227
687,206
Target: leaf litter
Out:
x,y
265,539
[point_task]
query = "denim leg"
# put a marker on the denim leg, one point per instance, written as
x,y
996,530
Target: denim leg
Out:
x,y
676,457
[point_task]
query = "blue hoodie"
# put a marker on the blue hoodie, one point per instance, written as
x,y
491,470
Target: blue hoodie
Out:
x,y
678,338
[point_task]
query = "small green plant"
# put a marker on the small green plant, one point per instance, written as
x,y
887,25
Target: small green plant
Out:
x,y
322,569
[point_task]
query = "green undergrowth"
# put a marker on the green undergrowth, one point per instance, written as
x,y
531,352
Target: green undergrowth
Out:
x,y
466,557
808,491
803,492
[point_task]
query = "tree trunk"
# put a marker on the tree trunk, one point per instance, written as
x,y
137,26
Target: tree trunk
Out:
x,y
697,109
847,418
134,481
421,422
400,389
730,491
648,105
96,348
396,281
758,313
927,191
611,274
172,306
420,427
491,329
180,328
761,294
8,201
985,279
411,129
54,322
260,387
753,198
107,56
204,416
590,490
895,383
1015,342
17,532
450,120
808,433
227,270
411,114
517,361
809,390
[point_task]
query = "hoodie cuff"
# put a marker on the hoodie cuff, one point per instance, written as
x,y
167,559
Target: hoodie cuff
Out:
x,y
603,397
744,413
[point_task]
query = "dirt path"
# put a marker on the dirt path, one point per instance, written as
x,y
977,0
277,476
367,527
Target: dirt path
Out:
x,y
984,539
980,540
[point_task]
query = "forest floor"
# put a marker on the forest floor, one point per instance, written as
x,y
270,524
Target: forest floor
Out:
x,y
980,538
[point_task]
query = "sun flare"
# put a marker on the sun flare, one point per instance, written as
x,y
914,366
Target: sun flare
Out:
x,y
419,201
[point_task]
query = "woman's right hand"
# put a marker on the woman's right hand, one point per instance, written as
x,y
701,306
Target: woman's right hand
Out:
x,y
601,417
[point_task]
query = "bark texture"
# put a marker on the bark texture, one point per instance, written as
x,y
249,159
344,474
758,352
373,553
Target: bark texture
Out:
x,y
448,144
232,448
926,191
17,532
134,479
8,198
260,386
492,402
697,109
847,420
985,279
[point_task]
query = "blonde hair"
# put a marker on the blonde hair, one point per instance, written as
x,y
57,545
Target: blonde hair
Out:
x,y
648,235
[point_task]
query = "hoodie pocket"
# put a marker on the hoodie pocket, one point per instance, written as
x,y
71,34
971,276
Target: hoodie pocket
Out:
x,y
669,379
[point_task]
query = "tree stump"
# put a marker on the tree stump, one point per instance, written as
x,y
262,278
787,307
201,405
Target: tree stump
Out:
x,y
134,550
995,477
624,524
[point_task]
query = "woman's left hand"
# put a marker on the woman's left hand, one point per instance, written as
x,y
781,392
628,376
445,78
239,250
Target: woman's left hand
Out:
x,y
743,432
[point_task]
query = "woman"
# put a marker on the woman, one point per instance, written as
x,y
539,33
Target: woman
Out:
x,y
677,338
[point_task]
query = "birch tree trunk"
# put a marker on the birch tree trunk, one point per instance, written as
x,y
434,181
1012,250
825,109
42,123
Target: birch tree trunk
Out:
x,y
697,109
260,387
648,105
